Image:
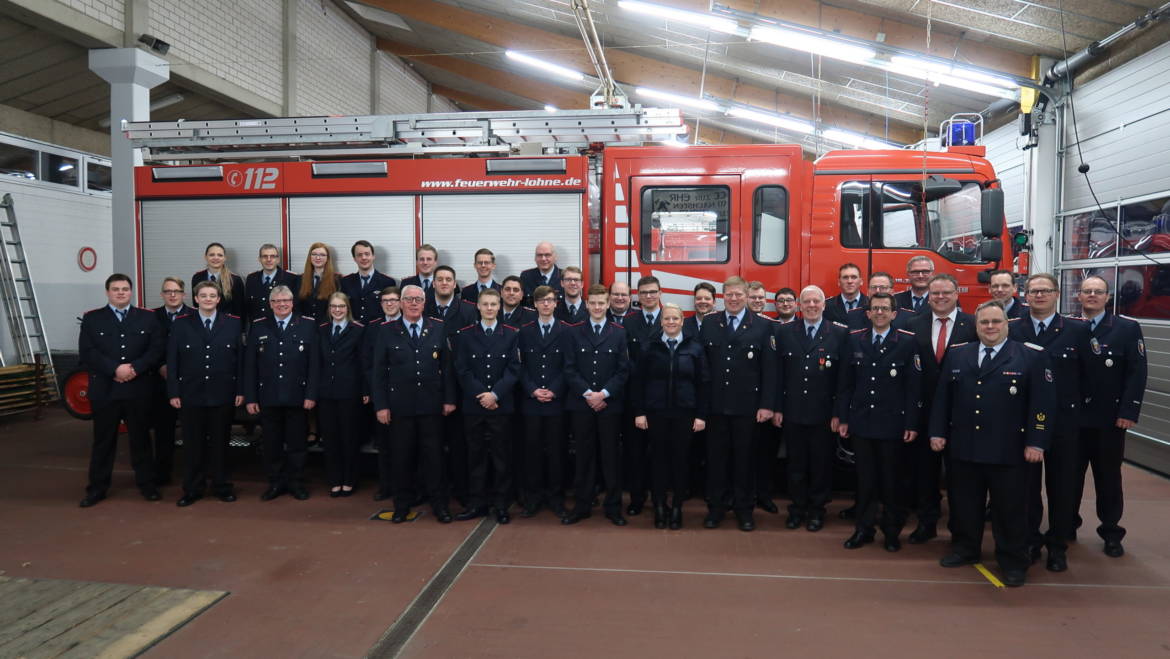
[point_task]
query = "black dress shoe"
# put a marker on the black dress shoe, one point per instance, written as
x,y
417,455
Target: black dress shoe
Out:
x,y
502,516
711,521
272,492
400,515
150,494
530,510
1034,553
746,523
767,505
558,510
1057,561
188,499
922,534
858,539
634,509
676,518
574,517
616,519
1014,578
956,560
815,524
471,513
892,543
848,513
659,517
299,493
443,515
335,494
91,500
793,521
381,496
1113,549
227,496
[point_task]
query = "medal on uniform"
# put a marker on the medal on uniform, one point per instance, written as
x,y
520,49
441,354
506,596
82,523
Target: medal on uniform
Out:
x,y
1095,345
828,363
821,363
1012,390
750,354
301,348
435,354
1109,362
893,372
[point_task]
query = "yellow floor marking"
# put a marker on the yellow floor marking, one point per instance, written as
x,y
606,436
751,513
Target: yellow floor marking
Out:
x,y
990,577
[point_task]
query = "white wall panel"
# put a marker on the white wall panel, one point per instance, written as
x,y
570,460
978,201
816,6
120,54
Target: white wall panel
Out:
x,y
333,60
1011,166
175,233
387,222
401,90
508,224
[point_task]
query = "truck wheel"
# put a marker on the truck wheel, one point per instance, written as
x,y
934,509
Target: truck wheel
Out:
x,y
75,395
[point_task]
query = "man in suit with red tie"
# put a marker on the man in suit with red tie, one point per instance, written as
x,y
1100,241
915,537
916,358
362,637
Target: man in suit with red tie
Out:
x,y
939,326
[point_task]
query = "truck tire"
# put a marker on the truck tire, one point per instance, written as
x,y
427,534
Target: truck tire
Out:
x,y
75,394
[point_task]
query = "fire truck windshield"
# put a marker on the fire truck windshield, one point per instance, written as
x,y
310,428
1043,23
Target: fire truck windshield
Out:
x,y
948,224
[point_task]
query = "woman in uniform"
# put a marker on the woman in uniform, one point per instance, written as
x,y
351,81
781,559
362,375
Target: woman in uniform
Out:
x,y
232,297
342,394
319,280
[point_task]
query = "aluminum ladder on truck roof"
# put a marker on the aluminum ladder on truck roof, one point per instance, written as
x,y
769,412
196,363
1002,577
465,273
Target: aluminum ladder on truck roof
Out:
x,y
526,132
20,300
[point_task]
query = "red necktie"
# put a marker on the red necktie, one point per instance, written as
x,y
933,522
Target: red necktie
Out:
x,y
940,347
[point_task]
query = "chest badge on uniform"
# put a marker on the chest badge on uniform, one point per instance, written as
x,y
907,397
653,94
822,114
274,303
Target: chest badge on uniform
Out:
x,y
751,354
893,372
1048,377
301,348
1095,345
917,363
1041,417
1142,348
435,354
1109,362
1012,390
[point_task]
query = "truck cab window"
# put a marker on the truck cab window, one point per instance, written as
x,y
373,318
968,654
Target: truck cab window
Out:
x,y
854,219
686,224
948,225
770,225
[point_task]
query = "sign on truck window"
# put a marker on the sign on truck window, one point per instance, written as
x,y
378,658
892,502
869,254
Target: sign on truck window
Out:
x,y
686,224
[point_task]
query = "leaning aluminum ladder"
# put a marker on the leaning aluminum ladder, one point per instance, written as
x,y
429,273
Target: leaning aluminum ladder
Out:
x,y
20,299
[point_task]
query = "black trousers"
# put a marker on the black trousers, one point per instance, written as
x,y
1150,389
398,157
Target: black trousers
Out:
x,y
455,447
544,460
670,439
489,444
731,449
285,444
635,454
810,467
767,449
1058,472
342,421
385,459
970,483
922,479
877,482
206,431
596,436
162,423
1103,450
421,438
107,416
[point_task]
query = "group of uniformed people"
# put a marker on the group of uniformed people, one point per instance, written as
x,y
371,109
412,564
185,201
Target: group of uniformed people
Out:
x,y
475,394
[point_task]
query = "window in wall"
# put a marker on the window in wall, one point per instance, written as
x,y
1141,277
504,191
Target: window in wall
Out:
x,y
1090,235
1145,226
97,177
686,224
770,225
1143,291
18,162
59,169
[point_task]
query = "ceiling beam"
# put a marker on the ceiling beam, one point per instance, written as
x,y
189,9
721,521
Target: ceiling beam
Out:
x,y
638,69
467,98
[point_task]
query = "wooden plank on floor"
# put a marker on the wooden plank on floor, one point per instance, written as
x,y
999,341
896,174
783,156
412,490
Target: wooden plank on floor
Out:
x,y
80,635
27,596
60,617
131,642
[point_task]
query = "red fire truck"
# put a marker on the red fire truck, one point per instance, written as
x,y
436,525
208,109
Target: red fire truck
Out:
x,y
506,181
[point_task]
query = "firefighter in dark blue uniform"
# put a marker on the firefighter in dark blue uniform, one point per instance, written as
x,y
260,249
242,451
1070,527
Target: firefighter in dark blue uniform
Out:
x,y
1066,340
811,351
512,311
741,353
444,304
643,325
413,387
487,365
342,394
915,300
364,287
992,411
391,303
1002,286
542,405
281,375
851,302
162,415
120,346
571,308
233,299
205,360
597,366
259,284
485,265
878,404
546,272
1113,388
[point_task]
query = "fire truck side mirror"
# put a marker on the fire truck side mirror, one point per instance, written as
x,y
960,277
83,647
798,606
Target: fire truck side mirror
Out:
x,y
991,213
991,249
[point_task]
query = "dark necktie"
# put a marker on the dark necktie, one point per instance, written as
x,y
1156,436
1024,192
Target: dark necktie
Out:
x,y
987,353
544,280
365,281
442,310
414,331
336,331
280,327
482,287
172,315
877,340
121,313
572,310
917,303
1040,329
597,330
207,323
672,344
426,284
731,325
316,281
487,331
649,319
210,277
1093,325
544,329
812,330
267,280
849,305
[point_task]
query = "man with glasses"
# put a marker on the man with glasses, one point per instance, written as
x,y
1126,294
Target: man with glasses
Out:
x,y
281,372
390,300
915,300
413,388
1002,286
259,284
485,266
851,301
936,329
742,354
572,306
1113,388
643,324
1066,341
163,416
879,282
546,272
757,297
619,302
785,305
364,287
542,389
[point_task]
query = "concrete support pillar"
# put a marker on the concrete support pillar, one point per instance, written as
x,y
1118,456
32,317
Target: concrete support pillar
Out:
x,y
1044,192
132,73
288,105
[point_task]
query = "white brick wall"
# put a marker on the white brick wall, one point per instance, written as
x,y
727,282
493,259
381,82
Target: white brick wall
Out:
x,y
333,60
401,89
110,12
237,40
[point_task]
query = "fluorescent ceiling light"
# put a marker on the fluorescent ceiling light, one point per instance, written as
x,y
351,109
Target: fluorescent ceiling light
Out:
x,y
811,43
787,123
686,101
711,22
550,108
547,66
856,139
952,70
941,74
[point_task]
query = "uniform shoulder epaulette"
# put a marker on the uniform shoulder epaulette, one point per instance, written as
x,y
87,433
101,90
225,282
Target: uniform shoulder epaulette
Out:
x,y
259,319
566,323
467,302
322,325
465,328
572,324
617,324
769,318
906,332
310,318
232,315
630,312
529,308
1033,346
514,329
186,315
841,325
1012,320
1072,317
93,311
156,309
859,331
958,345
358,323
531,322
437,320
1121,315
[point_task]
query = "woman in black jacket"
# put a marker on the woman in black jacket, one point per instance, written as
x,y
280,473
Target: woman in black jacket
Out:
x,y
669,391
342,394
231,285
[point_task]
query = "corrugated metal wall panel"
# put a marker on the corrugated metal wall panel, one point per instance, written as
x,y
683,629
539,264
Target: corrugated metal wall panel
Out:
x,y
387,222
1149,438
